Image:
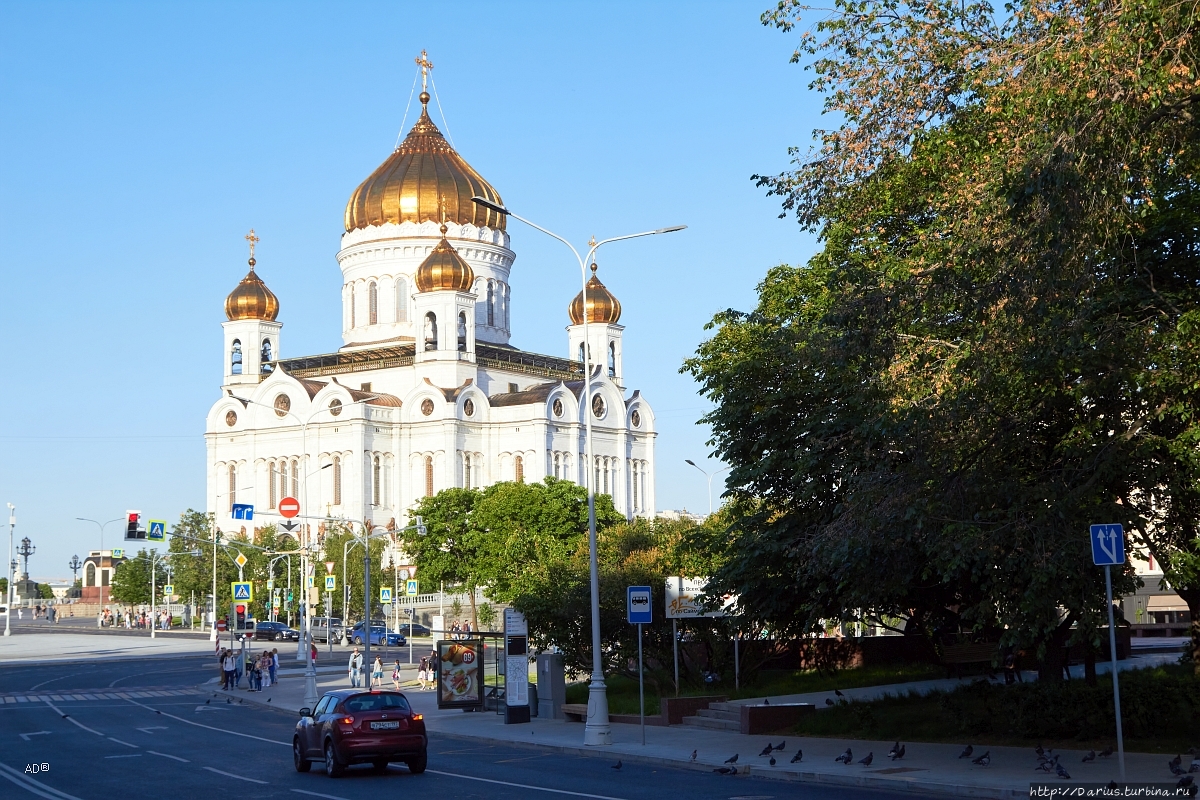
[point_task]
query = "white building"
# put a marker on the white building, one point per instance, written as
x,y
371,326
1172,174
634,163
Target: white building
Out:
x,y
426,392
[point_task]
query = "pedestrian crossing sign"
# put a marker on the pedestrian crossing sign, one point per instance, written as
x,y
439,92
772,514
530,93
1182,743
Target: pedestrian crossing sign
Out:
x,y
330,583
410,587
168,590
311,582
156,530
243,590
385,595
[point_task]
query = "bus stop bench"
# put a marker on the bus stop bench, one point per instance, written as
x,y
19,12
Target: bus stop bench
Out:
x,y
575,712
955,655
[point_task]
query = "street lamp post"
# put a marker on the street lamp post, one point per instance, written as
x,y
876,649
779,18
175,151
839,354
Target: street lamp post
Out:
x,y
101,526
597,730
74,566
8,593
710,479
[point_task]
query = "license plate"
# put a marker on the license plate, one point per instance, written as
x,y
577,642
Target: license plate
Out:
x,y
385,726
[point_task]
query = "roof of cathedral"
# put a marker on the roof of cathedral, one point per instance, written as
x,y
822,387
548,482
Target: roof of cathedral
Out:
x,y
602,305
491,356
534,394
409,185
251,299
444,268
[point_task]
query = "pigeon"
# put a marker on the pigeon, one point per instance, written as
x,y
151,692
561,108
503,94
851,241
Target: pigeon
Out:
x,y
1176,770
1044,765
966,753
726,770
898,754
766,701
732,760
828,702
1061,771
1195,766
206,702
895,747
1185,782
616,765
983,760
1112,785
866,760
845,757
838,692
1039,751
693,755
1177,760
1091,756
772,762
781,745
766,750
228,701
799,755
268,699
1106,752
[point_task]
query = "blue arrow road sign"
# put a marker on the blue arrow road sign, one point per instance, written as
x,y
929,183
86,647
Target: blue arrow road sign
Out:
x,y
638,606
1108,544
243,511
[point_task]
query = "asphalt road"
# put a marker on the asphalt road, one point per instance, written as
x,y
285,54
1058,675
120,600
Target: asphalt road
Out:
x,y
195,745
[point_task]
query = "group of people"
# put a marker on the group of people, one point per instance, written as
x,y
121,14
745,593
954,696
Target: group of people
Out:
x,y
460,631
426,676
261,670
131,619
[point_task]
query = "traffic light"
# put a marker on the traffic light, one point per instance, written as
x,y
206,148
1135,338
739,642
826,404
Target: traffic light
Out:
x,y
133,529
240,611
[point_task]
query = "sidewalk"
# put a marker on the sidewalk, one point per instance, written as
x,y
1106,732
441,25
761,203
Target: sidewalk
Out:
x,y
926,768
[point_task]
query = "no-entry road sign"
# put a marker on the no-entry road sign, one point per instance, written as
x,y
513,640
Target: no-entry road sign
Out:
x,y
289,507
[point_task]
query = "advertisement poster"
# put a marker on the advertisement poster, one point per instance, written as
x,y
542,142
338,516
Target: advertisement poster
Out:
x,y
460,674
683,599
516,651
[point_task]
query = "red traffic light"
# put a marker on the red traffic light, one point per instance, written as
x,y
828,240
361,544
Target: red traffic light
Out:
x,y
241,609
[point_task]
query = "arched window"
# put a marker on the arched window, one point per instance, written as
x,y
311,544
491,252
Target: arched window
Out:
x,y
337,481
506,291
491,304
372,304
430,331
462,331
558,465
232,486
353,316
466,470
596,482
295,478
633,467
429,476
271,482
283,476
376,498
235,358
519,469
581,353
401,300
612,359
265,356
89,575
606,471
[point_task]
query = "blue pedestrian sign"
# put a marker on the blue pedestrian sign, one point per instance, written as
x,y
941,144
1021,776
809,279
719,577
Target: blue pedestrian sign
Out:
x,y
242,590
638,606
157,530
243,511
1108,544
385,595
410,587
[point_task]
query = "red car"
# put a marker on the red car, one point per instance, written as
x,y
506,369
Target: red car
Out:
x,y
352,726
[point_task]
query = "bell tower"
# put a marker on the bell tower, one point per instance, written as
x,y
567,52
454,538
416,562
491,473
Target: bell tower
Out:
x,y
251,332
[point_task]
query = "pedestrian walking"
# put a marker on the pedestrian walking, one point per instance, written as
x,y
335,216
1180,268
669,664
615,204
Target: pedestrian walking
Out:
x,y
354,668
228,666
396,676
274,667
377,673
423,672
312,651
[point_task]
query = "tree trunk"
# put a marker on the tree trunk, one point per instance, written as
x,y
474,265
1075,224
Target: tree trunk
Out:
x,y
474,611
1192,598
1089,663
1050,669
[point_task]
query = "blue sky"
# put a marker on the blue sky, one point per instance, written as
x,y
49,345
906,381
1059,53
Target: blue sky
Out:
x,y
142,140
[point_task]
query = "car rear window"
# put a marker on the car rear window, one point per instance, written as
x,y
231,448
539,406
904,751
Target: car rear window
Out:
x,y
380,701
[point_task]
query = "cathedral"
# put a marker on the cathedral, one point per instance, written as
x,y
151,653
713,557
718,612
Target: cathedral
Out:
x,y
426,391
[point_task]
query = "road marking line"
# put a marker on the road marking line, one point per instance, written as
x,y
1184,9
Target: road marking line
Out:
x,y
30,785
318,794
26,736
52,680
72,719
118,741
153,728
127,755
522,785
168,755
231,775
210,727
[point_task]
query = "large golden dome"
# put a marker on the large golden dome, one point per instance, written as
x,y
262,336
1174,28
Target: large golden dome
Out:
x,y
602,306
407,187
251,299
444,268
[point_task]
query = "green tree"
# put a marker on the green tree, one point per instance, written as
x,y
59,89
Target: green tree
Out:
x,y
131,580
351,588
994,347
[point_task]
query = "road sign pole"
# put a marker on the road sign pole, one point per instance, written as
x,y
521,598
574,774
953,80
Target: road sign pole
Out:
x,y
641,687
1112,652
675,647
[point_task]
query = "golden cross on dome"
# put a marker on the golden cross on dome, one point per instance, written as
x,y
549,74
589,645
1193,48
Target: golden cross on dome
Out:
x,y
425,64
592,241
253,240
442,212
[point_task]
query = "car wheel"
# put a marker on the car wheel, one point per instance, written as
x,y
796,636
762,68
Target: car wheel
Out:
x,y
333,767
358,640
380,764
417,765
302,763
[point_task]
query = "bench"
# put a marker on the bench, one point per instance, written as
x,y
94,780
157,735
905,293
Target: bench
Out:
x,y
955,655
575,712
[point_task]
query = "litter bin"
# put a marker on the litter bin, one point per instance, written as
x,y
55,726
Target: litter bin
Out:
x,y
533,701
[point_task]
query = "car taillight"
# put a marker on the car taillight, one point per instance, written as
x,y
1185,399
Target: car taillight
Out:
x,y
417,717
347,723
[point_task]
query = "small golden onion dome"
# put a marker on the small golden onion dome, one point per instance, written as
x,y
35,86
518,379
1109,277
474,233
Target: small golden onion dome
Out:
x,y
444,268
251,299
601,305
407,186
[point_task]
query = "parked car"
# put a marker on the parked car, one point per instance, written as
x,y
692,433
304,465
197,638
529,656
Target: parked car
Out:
x,y
377,636
417,629
351,726
358,626
275,631
323,627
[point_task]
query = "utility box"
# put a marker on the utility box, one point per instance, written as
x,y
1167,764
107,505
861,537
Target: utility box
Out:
x,y
551,686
